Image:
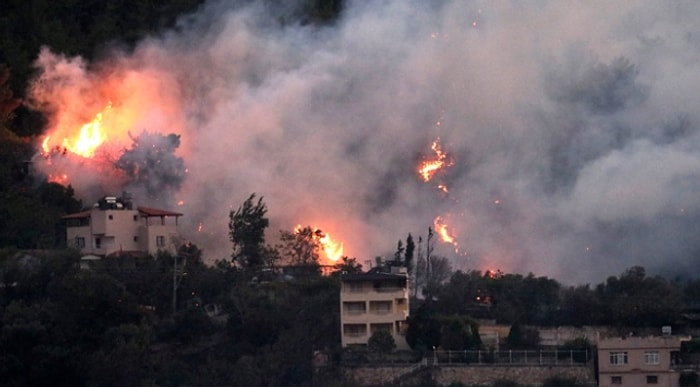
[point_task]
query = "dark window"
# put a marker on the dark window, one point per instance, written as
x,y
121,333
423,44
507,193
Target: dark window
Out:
x,y
136,238
111,217
136,218
79,242
98,243
652,379
616,379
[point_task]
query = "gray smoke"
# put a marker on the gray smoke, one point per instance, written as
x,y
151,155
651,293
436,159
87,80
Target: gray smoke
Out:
x,y
572,126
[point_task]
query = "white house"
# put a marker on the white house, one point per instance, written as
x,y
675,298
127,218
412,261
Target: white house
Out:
x,y
113,226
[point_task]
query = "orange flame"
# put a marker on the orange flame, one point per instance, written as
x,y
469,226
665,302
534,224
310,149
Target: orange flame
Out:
x,y
86,141
442,230
428,168
332,249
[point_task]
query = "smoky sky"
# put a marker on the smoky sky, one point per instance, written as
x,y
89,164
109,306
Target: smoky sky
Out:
x,y
572,127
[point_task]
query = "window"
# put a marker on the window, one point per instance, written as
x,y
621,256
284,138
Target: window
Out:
x,y
98,243
354,307
79,242
651,357
616,379
618,358
356,287
380,307
110,217
136,238
136,218
355,330
381,327
652,379
160,241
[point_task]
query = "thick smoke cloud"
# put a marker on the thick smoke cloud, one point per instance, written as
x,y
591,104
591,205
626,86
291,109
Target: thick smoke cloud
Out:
x,y
573,127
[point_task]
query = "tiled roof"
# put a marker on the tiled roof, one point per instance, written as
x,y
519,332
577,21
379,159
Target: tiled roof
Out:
x,y
78,215
156,212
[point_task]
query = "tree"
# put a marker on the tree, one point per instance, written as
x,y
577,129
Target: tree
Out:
x,y
438,271
247,233
522,337
419,274
151,164
347,266
408,254
8,102
381,342
302,246
423,329
459,333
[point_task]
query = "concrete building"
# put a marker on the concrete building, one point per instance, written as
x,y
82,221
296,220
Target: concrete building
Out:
x,y
374,301
636,361
113,225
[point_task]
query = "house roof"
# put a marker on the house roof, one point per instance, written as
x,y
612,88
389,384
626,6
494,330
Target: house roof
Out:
x,y
77,215
143,211
372,276
156,212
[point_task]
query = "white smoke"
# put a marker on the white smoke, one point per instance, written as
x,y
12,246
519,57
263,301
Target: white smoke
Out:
x,y
573,127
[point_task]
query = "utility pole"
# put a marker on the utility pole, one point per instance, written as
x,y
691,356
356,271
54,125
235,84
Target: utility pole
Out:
x,y
428,278
177,277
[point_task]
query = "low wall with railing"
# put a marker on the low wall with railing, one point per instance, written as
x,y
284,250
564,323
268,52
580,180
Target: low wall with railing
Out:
x,y
530,368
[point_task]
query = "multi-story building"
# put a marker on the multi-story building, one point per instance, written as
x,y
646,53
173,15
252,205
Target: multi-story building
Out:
x,y
112,226
374,301
636,361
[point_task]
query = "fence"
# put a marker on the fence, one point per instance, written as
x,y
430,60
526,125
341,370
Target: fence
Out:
x,y
560,357
545,357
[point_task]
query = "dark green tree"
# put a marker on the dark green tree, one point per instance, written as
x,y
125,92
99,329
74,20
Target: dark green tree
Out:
x,y
423,332
247,233
408,254
347,265
381,342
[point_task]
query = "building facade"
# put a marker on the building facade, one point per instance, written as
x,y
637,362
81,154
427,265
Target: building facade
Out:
x,y
114,226
639,361
374,301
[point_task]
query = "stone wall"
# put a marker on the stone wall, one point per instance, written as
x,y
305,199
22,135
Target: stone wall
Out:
x,y
470,375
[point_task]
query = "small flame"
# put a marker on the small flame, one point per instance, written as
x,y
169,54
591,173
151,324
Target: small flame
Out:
x,y
442,230
429,168
200,227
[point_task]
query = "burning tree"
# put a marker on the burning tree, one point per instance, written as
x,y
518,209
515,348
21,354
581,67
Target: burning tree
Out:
x,y
301,247
151,164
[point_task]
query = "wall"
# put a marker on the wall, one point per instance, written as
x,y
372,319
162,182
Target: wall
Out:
x,y
471,375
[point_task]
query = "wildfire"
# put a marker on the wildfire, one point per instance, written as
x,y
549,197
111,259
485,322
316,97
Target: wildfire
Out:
x,y
442,230
428,168
332,249
86,140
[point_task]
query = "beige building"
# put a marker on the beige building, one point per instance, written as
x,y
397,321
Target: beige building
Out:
x,y
374,301
112,226
639,361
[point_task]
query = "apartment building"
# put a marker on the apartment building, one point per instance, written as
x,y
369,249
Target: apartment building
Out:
x,y
113,225
636,361
374,301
